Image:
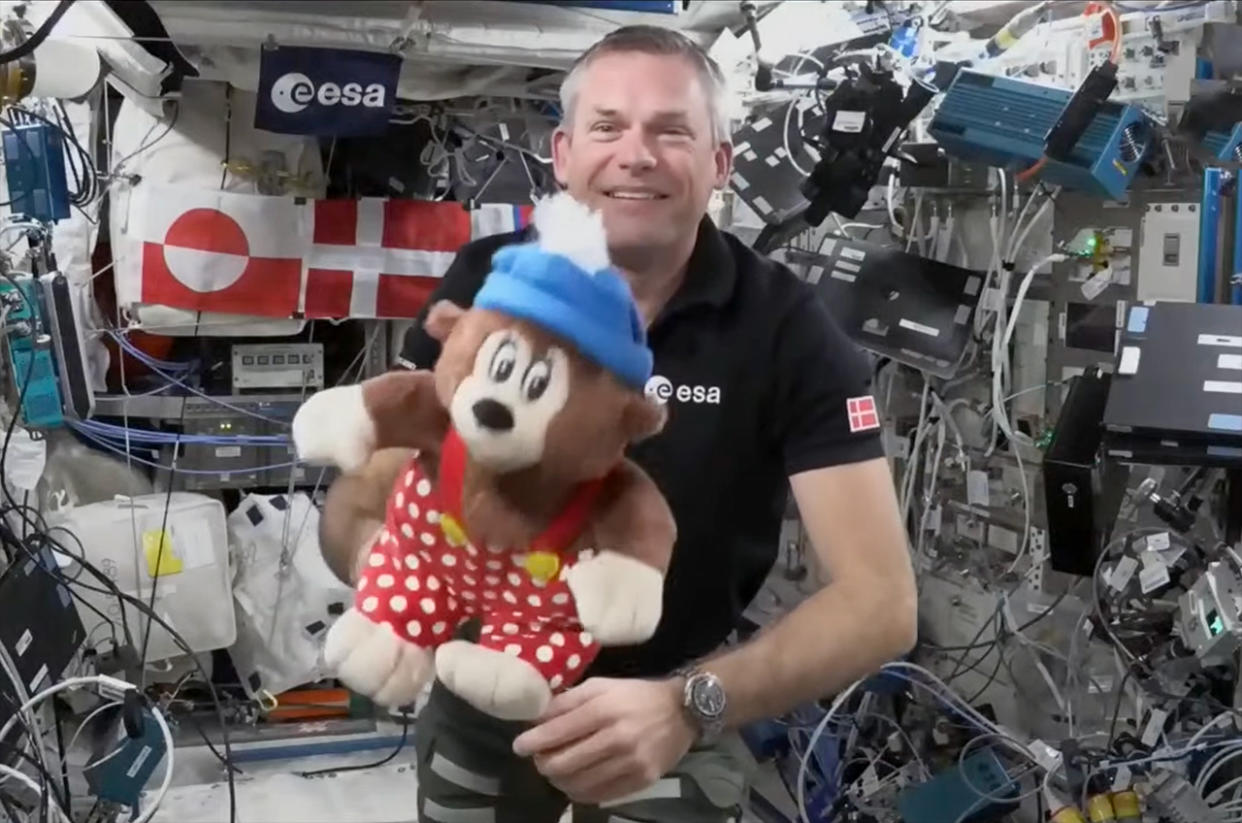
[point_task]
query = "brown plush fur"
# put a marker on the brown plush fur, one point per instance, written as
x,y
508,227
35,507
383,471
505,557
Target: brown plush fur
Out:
x,y
585,440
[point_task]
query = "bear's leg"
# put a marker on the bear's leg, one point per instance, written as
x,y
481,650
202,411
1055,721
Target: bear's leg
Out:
x,y
382,646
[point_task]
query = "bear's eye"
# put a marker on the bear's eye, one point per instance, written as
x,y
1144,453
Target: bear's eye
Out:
x,y
535,382
501,368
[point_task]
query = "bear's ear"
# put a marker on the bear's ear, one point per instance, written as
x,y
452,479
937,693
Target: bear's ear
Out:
x,y
643,418
442,318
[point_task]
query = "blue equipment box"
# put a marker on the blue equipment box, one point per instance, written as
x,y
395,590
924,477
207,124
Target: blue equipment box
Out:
x,y
948,797
1225,145
121,766
34,167
41,406
1004,122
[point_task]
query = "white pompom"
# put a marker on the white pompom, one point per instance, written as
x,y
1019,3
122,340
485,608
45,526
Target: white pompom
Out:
x,y
569,228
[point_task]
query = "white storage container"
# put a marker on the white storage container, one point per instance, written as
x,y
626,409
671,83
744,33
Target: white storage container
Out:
x,y
122,537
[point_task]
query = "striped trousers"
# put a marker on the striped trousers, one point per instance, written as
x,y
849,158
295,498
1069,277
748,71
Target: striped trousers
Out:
x,y
468,773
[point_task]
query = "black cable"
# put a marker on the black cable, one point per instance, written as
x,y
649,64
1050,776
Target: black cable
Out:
x,y
1051,608
1000,656
405,732
35,40
148,611
64,756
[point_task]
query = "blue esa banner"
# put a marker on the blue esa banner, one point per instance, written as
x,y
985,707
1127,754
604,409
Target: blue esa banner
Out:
x,y
327,92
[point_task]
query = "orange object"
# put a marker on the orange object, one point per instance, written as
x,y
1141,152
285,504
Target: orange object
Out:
x,y
310,704
1111,28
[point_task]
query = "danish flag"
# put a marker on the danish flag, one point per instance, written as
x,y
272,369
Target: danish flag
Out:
x,y
214,251
247,254
862,413
382,258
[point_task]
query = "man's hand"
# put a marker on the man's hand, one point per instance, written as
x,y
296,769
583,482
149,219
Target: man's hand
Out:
x,y
606,739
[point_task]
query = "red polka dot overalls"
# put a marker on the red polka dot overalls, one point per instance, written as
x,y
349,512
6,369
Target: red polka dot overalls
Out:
x,y
424,576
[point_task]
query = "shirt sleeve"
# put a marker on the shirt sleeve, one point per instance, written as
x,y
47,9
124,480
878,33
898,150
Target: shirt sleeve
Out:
x,y
460,283
824,412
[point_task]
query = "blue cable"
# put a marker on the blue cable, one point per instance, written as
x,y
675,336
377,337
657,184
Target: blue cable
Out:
x,y
214,472
146,360
121,433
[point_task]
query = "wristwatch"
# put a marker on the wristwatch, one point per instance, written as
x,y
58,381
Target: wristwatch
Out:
x,y
704,700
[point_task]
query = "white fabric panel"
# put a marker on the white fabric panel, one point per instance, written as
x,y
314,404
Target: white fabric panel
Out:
x,y
282,614
191,155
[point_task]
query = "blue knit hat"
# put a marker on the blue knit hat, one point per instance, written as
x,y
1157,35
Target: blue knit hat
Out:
x,y
594,310
565,284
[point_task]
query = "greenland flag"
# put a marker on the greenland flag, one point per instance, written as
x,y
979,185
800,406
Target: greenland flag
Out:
x,y
382,258
216,251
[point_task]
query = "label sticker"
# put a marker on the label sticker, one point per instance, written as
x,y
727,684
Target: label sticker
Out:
x,y
843,276
1225,422
918,327
137,765
853,254
23,643
1222,386
1126,567
157,547
1122,778
37,681
761,124
228,451
1097,283
1154,728
846,265
1220,340
977,488
1129,360
1158,542
1229,361
1153,577
815,275
850,122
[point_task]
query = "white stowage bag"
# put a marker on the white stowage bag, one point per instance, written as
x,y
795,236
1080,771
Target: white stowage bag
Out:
x,y
187,579
283,614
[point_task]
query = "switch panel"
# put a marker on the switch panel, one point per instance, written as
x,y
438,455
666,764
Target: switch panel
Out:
x,y
1169,254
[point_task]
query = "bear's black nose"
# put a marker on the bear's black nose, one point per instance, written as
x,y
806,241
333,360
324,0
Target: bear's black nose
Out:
x,y
494,415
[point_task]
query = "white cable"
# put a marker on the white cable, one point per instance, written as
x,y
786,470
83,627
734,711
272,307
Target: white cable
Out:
x,y
8,772
81,726
107,683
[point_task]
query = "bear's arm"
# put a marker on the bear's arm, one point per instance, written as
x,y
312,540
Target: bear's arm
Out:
x,y
405,410
633,518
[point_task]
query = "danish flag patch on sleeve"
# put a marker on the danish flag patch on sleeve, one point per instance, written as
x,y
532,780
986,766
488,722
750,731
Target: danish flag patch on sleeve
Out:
x,y
862,413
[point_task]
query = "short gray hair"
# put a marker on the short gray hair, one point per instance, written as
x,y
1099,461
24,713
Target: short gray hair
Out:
x,y
658,41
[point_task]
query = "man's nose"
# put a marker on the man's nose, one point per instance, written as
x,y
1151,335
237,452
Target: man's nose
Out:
x,y
635,151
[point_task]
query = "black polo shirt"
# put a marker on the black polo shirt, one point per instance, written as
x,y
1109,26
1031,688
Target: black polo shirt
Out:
x,y
756,375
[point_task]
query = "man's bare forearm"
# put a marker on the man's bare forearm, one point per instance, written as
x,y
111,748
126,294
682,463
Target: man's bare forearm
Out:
x,y
353,510
835,637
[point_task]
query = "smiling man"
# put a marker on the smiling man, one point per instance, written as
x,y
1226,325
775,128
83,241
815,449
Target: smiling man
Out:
x,y
765,394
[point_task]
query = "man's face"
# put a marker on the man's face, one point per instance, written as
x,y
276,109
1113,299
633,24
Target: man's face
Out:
x,y
640,150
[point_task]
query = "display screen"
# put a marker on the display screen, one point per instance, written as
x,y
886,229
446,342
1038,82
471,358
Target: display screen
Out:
x,y
1089,326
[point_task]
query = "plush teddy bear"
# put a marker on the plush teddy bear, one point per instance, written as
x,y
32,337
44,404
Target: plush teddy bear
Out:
x,y
518,506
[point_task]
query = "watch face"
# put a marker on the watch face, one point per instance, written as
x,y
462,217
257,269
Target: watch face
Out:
x,y
708,697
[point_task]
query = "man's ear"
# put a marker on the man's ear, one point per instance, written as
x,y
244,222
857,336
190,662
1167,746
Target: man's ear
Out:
x,y
643,418
442,318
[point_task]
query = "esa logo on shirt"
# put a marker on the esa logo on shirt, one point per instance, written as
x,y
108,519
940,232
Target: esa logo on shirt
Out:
x,y
661,390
